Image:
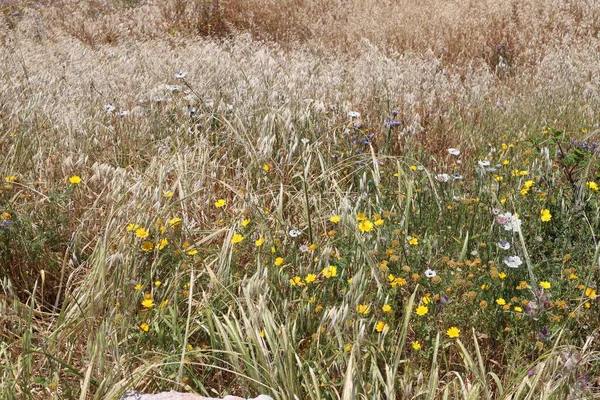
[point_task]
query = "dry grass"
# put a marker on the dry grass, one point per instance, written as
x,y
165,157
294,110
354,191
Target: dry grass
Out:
x,y
262,76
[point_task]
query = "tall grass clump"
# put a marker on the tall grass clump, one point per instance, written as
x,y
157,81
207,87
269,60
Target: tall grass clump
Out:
x,y
236,197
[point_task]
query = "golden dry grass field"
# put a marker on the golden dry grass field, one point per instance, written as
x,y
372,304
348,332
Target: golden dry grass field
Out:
x,y
343,199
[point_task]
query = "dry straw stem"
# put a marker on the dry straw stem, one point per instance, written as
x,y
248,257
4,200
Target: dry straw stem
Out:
x,y
459,73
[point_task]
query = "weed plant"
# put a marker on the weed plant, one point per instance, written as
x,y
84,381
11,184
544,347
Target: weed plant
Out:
x,y
240,197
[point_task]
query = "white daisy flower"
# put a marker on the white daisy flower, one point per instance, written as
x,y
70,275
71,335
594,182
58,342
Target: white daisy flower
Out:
x,y
442,177
509,222
173,88
504,245
354,114
109,108
305,141
513,261
484,163
294,233
430,273
453,151
180,75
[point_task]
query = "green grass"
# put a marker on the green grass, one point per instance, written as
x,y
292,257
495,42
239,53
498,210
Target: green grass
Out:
x,y
251,247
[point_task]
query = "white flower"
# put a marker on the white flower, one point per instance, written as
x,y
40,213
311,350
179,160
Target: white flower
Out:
x,y
109,108
453,151
504,245
173,88
354,114
123,113
442,177
430,273
457,176
303,248
180,75
305,141
509,222
484,163
513,261
513,224
294,233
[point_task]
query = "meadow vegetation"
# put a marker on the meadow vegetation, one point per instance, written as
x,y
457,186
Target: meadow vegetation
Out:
x,y
340,199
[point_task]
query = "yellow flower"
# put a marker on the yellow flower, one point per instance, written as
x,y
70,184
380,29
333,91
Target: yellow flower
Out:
x,y
138,286
453,332
220,203
591,293
148,303
132,227
545,285
518,309
296,281
310,278
365,225
381,326
141,233
11,178
192,252
266,167
545,215
422,310
75,179
413,241
361,217
413,167
246,222
278,261
364,309
528,184
335,219
348,347
379,222
237,238
144,326
329,272
162,243
173,222
157,283
502,275
386,308
500,301
167,193
416,345
259,242
147,246
593,186
6,216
